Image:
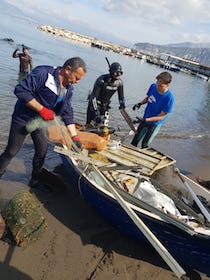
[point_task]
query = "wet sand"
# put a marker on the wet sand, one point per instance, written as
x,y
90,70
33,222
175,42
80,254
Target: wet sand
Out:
x,y
78,243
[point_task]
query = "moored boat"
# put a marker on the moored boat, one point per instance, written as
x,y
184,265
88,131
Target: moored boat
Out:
x,y
169,66
149,183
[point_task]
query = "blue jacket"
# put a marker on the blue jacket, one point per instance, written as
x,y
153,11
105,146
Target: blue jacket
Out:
x,y
42,84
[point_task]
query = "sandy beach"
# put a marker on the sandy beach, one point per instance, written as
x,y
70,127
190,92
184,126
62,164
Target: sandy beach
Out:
x,y
78,244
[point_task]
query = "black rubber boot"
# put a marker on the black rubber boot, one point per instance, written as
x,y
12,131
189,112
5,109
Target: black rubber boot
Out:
x,y
36,183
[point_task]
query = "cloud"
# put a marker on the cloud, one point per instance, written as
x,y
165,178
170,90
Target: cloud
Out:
x,y
161,10
155,21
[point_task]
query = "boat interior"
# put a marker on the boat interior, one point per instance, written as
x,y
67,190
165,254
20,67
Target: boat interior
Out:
x,y
147,179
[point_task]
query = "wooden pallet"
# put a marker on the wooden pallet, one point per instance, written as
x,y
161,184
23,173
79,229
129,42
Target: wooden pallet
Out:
x,y
148,160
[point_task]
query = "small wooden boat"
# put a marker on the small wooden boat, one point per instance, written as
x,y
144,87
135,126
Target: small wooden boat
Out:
x,y
165,200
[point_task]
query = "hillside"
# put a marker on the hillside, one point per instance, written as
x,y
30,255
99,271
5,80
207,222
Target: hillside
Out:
x,y
192,51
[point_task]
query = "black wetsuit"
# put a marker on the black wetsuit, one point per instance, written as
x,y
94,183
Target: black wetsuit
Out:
x,y
99,99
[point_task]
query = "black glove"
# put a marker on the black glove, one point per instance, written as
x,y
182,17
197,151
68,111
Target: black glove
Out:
x,y
138,120
122,106
142,121
137,106
76,141
98,119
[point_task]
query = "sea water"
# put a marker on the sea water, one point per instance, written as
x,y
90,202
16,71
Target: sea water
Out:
x,y
185,136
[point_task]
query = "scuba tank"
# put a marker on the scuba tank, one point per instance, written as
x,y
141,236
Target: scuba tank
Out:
x,y
105,126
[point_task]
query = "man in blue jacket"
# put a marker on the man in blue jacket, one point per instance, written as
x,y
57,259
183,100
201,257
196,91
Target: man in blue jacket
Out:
x,y
159,102
46,91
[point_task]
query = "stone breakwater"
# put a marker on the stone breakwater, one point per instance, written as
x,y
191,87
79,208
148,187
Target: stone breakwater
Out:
x,y
79,38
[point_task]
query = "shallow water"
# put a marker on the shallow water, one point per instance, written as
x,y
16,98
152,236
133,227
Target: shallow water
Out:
x,y
186,134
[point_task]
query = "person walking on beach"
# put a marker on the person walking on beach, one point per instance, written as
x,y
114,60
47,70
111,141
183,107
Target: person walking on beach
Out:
x,y
159,102
47,91
26,65
99,100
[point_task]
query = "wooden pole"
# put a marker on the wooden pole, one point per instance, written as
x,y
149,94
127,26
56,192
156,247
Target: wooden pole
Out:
x,y
128,119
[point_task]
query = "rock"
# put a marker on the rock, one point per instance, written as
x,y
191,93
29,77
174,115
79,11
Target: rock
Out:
x,y
10,40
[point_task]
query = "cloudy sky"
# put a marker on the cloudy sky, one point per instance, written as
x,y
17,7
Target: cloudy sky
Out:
x,y
153,21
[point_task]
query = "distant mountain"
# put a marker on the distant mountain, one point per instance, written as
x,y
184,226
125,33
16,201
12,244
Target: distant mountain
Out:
x,y
190,45
199,52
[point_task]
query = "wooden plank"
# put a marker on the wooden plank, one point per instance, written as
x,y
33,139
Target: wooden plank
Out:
x,y
151,152
124,159
148,151
139,154
129,155
78,156
117,158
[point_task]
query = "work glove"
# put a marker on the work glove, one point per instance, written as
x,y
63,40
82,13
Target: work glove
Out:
x,y
142,121
46,114
137,106
98,119
122,106
77,142
138,120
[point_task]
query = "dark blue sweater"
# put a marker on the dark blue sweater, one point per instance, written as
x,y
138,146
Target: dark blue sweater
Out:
x,y
42,84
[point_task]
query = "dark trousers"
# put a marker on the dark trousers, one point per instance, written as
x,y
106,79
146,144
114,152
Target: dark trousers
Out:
x,y
205,184
91,114
17,136
147,132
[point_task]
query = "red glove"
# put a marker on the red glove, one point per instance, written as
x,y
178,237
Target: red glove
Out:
x,y
76,141
46,114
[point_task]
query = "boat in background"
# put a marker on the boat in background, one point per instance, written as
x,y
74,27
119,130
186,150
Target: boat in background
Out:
x,y
169,66
150,184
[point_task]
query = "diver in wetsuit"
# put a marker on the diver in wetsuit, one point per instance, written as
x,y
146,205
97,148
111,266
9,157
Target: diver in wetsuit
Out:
x,y
99,100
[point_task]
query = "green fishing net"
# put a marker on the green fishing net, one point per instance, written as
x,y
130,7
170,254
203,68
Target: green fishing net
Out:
x,y
24,218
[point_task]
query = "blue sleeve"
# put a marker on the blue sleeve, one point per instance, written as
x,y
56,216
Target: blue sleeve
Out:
x,y
27,88
68,113
168,106
150,90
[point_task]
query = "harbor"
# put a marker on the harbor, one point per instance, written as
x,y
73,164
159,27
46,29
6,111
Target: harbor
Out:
x,y
163,60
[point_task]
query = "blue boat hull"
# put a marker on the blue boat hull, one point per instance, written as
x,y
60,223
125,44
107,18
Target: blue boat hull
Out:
x,y
192,251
